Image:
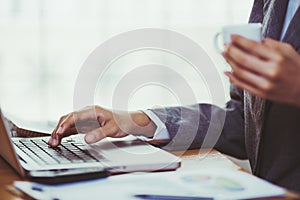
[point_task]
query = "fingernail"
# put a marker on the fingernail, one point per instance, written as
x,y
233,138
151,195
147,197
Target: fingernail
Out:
x,y
227,73
50,140
90,138
226,45
59,130
54,141
232,36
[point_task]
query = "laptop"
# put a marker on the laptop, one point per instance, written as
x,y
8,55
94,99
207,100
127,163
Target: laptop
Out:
x,y
74,160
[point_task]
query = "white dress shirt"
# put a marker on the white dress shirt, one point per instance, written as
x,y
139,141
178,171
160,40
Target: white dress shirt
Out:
x,y
292,8
161,130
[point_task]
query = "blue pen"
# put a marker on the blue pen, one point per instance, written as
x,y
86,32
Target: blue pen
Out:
x,y
167,197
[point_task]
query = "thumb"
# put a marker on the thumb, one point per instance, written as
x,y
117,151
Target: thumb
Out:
x,y
95,135
100,133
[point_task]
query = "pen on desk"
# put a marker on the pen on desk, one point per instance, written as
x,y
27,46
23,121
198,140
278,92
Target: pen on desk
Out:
x,y
167,197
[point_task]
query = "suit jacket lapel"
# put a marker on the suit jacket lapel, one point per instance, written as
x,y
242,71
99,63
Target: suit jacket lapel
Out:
x,y
292,35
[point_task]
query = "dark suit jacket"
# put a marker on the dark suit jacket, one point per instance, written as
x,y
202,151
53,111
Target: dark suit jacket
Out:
x,y
245,128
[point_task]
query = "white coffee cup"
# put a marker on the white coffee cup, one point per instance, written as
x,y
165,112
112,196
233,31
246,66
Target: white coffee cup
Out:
x,y
251,31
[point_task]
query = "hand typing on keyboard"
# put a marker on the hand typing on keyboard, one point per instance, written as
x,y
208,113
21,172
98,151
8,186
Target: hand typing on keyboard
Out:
x,y
98,123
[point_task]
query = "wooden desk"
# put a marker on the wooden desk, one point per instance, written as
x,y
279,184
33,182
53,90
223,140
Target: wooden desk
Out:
x,y
7,177
192,159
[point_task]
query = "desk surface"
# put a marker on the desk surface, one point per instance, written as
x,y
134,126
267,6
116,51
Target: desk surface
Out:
x,y
192,159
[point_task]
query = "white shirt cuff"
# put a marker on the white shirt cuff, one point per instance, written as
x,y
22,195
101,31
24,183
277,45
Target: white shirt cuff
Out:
x,y
161,132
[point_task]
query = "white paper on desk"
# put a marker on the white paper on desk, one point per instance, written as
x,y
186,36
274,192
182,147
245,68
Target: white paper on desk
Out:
x,y
216,183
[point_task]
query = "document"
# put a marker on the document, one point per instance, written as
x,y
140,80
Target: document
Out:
x,y
208,183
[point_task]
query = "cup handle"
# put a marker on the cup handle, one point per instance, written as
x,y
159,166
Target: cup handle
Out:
x,y
217,48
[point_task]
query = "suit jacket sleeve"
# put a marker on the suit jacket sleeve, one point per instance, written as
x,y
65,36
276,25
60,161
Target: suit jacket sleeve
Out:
x,y
206,125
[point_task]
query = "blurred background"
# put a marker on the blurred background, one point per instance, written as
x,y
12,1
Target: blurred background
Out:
x,y
43,44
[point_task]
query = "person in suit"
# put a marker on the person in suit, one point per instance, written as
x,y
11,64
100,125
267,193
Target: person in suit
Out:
x,y
261,119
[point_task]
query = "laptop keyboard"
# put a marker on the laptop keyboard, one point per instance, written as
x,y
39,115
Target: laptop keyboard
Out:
x,y
66,153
